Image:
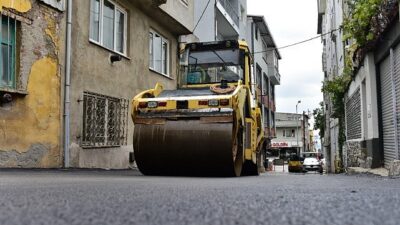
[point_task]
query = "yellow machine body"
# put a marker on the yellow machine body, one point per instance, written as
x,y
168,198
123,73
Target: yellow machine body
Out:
x,y
200,129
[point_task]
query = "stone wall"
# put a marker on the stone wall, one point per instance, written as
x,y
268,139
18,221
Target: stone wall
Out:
x,y
355,155
394,168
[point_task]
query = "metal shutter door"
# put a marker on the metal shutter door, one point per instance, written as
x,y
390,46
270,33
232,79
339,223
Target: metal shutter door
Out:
x,y
353,116
396,76
388,128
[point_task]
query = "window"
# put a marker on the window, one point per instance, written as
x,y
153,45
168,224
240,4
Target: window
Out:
x,y
212,66
258,76
104,121
256,32
108,25
265,51
7,52
266,85
276,60
243,14
158,53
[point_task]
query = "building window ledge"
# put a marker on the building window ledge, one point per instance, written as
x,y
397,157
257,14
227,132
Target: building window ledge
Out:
x,y
109,50
161,74
12,91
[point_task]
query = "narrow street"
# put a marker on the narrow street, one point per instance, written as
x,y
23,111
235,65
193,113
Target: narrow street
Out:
x,y
127,197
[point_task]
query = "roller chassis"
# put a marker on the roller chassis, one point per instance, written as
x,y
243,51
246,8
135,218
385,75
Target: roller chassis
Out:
x,y
177,134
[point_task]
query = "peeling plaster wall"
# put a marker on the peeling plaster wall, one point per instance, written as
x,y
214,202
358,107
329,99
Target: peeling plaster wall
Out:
x,y
21,6
30,125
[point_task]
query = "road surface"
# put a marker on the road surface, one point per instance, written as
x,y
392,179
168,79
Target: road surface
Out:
x,y
127,197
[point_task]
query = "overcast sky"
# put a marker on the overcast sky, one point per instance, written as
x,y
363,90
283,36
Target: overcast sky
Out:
x,y
291,21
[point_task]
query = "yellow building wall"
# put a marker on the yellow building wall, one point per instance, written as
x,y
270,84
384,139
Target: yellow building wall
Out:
x,y
30,126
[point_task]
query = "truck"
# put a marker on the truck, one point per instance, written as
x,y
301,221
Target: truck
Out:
x,y
210,125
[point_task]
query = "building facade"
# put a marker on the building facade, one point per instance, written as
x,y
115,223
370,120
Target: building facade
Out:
x,y
330,18
218,20
371,99
119,49
32,36
265,72
292,134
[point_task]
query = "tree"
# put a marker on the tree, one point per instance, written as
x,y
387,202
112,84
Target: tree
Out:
x,y
319,119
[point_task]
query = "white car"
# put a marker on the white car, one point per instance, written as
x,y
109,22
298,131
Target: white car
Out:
x,y
312,164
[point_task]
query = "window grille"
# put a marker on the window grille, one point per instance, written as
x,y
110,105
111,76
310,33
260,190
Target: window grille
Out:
x,y
104,121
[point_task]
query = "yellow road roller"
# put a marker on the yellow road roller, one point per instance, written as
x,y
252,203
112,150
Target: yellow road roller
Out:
x,y
210,125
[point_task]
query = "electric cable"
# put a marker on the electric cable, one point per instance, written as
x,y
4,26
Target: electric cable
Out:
x,y
300,42
201,17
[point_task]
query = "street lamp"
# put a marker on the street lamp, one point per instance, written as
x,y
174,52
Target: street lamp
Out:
x,y
297,129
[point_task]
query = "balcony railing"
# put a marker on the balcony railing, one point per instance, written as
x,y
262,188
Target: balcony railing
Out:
x,y
232,12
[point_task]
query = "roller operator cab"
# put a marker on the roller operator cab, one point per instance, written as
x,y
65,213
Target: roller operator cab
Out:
x,y
210,125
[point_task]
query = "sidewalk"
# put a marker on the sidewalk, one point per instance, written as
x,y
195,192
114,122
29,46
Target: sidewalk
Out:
x,y
279,169
378,171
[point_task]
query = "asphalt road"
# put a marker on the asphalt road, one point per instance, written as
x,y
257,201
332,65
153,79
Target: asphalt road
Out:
x,y
126,197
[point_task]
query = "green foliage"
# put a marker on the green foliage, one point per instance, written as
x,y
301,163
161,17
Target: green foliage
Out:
x,y
358,25
364,22
336,89
319,119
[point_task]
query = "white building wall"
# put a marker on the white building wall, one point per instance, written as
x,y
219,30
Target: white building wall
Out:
x,y
243,19
334,59
181,12
205,29
370,118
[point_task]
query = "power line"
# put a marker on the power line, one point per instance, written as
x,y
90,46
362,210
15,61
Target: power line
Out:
x,y
300,42
202,14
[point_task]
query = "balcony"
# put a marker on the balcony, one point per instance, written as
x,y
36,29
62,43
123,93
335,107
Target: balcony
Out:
x,y
229,10
274,75
163,12
227,20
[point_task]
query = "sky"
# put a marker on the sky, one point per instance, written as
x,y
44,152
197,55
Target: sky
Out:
x,y
291,21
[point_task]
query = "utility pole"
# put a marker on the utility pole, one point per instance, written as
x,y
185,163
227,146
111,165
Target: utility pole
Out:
x,y
297,129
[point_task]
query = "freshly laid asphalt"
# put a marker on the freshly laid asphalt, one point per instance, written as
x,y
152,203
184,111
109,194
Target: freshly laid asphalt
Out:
x,y
127,197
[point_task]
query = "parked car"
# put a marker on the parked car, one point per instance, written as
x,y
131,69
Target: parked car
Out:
x,y
312,164
295,164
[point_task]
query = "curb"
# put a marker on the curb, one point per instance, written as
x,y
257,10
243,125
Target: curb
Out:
x,y
381,172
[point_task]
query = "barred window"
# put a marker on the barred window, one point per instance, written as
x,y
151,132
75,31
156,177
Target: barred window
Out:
x,y
104,121
7,52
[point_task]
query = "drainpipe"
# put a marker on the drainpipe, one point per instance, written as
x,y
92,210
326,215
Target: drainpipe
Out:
x,y
67,100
